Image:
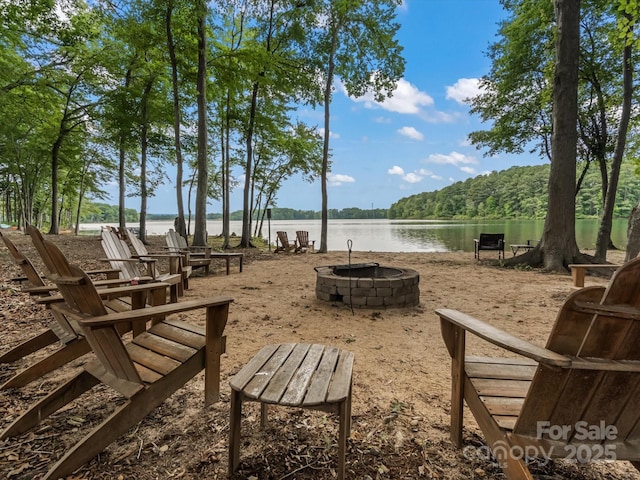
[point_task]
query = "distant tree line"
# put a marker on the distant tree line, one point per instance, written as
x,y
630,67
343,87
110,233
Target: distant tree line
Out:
x,y
519,192
101,212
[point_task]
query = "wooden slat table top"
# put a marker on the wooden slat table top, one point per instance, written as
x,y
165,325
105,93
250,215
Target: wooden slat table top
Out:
x,y
296,375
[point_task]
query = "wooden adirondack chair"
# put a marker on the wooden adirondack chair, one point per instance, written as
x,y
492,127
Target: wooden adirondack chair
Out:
x,y
33,283
73,344
176,260
146,371
194,256
284,244
119,257
303,241
587,379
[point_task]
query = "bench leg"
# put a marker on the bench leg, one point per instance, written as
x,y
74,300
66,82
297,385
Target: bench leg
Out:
x,y
234,431
577,274
264,414
344,430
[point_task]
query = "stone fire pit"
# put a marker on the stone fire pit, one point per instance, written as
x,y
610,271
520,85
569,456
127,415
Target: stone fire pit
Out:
x,y
368,285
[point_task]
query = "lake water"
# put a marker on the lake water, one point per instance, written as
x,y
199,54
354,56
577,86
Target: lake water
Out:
x,y
405,235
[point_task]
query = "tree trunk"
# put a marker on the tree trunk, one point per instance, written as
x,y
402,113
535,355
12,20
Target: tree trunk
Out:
x,y
604,233
633,234
122,182
180,225
557,247
144,144
245,240
328,88
226,173
559,235
54,229
200,231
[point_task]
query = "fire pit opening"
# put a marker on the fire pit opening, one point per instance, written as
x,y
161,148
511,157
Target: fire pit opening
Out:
x,y
368,285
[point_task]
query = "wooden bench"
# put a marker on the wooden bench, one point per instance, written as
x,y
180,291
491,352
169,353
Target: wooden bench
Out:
x,y
227,256
295,375
579,270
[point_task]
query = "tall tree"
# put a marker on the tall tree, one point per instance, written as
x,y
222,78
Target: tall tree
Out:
x,y
517,92
558,246
358,45
604,233
200,232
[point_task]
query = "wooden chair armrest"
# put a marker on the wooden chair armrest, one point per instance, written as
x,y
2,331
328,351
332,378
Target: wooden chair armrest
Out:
x,y
130,259
620,310
151,312
105,271
159,255
503,339
606,364
146,283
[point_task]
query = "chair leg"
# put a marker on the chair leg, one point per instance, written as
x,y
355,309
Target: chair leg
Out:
x,y
234,431
30,346
57,359
132,412
64,394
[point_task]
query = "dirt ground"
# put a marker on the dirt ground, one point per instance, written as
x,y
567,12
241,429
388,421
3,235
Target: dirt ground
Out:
x,y
401,390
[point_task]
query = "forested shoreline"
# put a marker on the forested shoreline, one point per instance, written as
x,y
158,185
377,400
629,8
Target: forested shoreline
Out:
x,y
515,193
518,192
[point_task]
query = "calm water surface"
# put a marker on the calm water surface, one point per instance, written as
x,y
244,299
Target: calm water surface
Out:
x,y
405,235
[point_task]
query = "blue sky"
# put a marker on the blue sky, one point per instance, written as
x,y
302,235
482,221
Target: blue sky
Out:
x,y
415,141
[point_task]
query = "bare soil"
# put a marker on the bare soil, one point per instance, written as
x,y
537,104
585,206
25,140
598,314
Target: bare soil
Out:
x,y
401,391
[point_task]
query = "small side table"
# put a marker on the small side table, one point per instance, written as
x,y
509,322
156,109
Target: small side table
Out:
x,y
227,256
301,375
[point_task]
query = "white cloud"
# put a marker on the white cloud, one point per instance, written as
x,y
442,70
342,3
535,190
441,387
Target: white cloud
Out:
x,y
469,170
406,98
382,120
337,179
331,134
411,133
412,178
437,177
425,172
454,158
463,90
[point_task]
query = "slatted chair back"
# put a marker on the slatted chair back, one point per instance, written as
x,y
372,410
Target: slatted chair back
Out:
x,y
61,269
285,245
33,277
194,256
83,301
38,242
118,254
303,240
125,234
175,241
586,393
